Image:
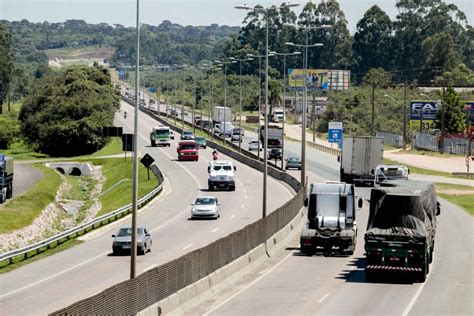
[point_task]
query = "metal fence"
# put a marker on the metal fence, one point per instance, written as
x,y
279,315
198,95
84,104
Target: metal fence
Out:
x,y
393,139
452,144
131,296
20,254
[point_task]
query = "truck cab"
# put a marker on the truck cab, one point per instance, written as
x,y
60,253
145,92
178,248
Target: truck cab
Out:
x,y
188,150
331,218
221,175
161,136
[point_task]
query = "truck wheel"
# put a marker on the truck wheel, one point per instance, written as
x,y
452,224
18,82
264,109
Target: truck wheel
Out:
x,y
232,188
370,275
422,274
308,251
209,188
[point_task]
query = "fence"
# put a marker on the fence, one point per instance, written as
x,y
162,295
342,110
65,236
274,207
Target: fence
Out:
x,y
392,139
452,144
53,241
132,296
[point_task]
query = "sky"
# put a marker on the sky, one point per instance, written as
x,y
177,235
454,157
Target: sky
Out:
x,y
184,12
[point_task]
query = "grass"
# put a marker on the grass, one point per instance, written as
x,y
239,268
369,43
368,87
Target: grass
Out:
x,y
114,147
429,153
66,245
426,172
81,187
76,52
22,210
466,201
22,151
116,169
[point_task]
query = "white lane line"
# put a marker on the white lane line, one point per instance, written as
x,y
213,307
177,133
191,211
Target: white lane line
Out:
x,y
232,216
242,206
325,296
245,197
54,275
215,229
241,184
190,245
249,285
415,297
150,267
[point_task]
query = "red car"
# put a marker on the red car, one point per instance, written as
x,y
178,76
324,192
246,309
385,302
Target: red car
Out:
x,y
188,150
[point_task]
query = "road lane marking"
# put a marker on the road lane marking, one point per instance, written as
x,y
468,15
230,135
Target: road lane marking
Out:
x,y
54,275
325,296
415,297
232,216
245,197
250,284
242,206
215,229
190,245
150,267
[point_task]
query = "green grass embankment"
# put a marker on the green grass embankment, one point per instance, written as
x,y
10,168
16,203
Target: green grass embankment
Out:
x,y
460,195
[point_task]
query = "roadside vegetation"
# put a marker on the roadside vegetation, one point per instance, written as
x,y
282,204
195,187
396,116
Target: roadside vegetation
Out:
x,y
460,195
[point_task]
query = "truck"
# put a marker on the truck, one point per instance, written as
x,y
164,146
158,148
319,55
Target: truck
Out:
x,y
222,114
278,114
390,172
331,222
275,136
401,229
188,150
360,156
161,135
225,129
221,175
6,178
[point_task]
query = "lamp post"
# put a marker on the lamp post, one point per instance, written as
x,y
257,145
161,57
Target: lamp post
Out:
x,y
133,248
284,101
240,60
225,63
305,69
265,146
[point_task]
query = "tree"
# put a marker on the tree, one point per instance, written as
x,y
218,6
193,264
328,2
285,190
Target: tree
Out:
x,y
6,64
65,113
377,76
8,131
439,51
454,118
373,41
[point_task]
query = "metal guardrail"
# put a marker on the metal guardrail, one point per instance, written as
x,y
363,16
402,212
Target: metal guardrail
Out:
x,y
80,229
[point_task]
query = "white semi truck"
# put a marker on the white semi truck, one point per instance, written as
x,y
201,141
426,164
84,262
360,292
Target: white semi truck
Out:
x,y
360,157
331,222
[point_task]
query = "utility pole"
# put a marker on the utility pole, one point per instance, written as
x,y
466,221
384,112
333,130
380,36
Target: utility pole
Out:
x,y
443,112
405,118
372,128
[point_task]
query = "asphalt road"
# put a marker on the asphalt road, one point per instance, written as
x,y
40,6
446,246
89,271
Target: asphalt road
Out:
x,y
24,177
64,278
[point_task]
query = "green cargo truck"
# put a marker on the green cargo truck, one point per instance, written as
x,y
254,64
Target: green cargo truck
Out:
x,y
161,136
401,229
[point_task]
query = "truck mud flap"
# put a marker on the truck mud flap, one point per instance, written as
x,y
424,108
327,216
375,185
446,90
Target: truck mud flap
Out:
x,y
393,268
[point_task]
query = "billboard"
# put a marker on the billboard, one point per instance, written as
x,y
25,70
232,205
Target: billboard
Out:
x,y
424,110
316,79
427,125
469,108
339,79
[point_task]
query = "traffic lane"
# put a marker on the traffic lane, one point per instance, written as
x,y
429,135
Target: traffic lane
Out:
x,y
298,285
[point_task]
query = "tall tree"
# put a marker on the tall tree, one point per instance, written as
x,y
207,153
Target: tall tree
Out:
x,y
454,118
6,63
373,41
439,51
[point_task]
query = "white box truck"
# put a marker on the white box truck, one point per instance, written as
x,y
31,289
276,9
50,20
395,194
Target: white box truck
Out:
x,y
222,114
360,157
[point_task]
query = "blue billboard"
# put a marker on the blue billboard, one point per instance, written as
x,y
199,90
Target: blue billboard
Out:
x,y
426,110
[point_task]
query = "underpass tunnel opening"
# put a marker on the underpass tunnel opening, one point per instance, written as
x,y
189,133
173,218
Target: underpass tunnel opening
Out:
x,y
75,172
60,170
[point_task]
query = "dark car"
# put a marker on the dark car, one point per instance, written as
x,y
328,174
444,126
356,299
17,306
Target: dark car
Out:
x,y
201,141
275,153
187,135
123,240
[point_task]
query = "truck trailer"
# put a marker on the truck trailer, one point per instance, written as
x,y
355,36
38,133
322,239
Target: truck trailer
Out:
x,y
331,219
360,156
275,136
6,178
401,229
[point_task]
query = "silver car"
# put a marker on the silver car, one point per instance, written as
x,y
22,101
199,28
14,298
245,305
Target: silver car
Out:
x,y
205,207
253,145
123,240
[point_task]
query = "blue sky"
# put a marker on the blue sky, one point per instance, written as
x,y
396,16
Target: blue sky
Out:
x,y
184,12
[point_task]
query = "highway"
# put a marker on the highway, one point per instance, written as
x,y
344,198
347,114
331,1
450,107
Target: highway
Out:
x,y
71,275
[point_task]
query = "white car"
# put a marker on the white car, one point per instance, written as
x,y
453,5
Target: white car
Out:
x,y
253,145
235,137
205,207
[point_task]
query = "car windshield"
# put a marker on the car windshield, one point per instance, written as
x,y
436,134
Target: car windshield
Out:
x,y
205,201
187,147
199,139
162,132
187,133
293,159
124,232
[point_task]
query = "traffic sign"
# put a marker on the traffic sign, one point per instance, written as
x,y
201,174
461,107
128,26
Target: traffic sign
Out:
x,y
147,160
335,132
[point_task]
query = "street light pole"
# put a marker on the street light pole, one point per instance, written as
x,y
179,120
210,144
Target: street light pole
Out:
x,y
265,153
133,248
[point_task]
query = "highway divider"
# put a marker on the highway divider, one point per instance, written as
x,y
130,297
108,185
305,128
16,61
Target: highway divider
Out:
x,y
196,272
53,241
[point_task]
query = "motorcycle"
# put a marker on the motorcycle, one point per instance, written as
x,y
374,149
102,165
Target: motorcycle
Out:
x,y
215,155
124,115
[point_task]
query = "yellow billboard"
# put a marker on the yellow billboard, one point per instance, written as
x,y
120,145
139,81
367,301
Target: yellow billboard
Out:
x,y
316,79
428,125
